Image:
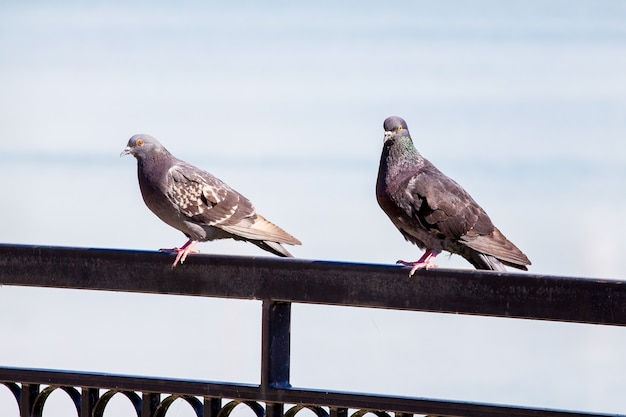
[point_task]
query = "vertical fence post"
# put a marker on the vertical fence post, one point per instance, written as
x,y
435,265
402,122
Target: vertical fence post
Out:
x,y
338,412
212,406
275,344
88,400
149,403
275,350
28,395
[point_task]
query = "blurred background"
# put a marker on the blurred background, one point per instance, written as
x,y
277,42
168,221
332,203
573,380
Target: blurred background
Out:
x,y
522,103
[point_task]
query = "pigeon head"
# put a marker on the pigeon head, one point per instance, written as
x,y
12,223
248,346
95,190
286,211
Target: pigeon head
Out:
x,y
395,127
142,145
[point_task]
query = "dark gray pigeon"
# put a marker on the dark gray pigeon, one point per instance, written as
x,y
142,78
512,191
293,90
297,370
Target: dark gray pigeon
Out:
x,y
197,203
434,212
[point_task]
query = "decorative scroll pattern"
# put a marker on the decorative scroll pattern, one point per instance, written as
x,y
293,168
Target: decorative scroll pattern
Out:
x,y
90,402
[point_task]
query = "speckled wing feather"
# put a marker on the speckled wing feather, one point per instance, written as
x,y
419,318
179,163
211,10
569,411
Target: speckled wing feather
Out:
x,y
205,199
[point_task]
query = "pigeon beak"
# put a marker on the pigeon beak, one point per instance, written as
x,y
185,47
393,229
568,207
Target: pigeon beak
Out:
x,y
388,134
126,151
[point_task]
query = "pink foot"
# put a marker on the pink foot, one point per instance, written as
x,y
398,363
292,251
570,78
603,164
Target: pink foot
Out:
x,y
182,252
427,261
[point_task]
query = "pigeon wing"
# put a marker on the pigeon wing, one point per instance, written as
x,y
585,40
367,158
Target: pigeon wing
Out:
x,y
445,208
442,206
205,199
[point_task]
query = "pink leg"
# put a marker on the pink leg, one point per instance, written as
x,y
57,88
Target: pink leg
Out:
x,y
426,261
183,251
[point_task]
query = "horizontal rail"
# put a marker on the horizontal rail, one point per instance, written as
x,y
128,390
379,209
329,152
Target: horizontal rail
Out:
x,y
517,295
246,392
280,282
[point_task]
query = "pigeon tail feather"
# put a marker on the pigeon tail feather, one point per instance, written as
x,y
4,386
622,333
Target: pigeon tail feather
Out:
x,y
272,247
499,247
261,230
485,262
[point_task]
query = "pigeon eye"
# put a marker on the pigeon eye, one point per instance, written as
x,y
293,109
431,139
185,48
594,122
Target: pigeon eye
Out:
x,y
399,128
140,142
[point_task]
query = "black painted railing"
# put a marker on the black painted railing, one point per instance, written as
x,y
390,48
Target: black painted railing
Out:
x,y
279,283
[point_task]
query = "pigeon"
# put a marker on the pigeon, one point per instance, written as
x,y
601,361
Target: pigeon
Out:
x,y
435,213
197,203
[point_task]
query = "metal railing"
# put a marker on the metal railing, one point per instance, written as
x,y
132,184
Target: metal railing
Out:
x,y
279,283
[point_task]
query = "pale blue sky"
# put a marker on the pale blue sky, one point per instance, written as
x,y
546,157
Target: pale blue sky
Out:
x,y
522,103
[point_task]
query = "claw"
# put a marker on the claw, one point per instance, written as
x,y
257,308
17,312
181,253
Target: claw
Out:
x,y
425,262
182,252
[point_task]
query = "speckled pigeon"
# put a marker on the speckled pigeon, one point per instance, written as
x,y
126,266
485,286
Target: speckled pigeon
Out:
x,y
434,212
197,203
